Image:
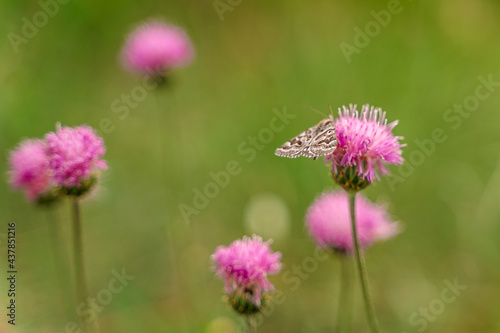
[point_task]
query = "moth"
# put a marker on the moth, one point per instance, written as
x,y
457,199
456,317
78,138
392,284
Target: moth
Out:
x,y
319,140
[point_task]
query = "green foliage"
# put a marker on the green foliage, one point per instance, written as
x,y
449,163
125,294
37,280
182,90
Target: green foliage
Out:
x,y
263,55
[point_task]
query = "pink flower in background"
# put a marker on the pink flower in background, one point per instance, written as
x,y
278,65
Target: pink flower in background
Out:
x,y
156,47
74,153
329,222
29,168
365,140
245,264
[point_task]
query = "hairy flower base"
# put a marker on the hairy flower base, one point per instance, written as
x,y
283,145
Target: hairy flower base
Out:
x,y
58,192
161,79
242,302
349,179
85,186
53,195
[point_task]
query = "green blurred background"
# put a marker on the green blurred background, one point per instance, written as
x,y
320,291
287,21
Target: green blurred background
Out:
x,y
263,55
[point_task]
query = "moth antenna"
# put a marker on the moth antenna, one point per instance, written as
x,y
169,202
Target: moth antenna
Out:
x,y
331,111
319,112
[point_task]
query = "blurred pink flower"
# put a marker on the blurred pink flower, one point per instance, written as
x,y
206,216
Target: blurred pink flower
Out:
x,y
329,222
365,140
155,47
74,153
29,168
245,264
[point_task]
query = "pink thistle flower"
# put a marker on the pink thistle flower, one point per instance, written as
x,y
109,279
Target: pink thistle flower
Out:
x,y
329,222
244,266
365,142
74,154
29,169
156,47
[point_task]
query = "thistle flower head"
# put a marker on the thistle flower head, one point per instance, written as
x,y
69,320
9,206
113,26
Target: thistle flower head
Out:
x,y
29,169
244,266
329,222
156,47
365,144
74,154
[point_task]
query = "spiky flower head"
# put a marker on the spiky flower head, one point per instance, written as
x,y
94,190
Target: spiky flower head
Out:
x,y
328,220
75,157
365,144
29,169
244,266
155,48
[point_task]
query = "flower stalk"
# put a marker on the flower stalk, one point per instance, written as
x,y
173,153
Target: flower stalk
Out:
x,y
59,254
252,327
363,275
80,274
345,298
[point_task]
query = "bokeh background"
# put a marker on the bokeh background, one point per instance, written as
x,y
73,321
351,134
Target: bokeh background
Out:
x,y
263,55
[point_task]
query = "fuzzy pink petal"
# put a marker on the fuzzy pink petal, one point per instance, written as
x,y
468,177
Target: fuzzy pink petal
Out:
x,y
329,222
156,47
74,153
246,263
29,168
365,140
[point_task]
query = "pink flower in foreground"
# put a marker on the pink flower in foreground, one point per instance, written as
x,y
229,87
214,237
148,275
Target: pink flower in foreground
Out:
x,y
74,153
244,266
329,222
29,169
156,47
365,141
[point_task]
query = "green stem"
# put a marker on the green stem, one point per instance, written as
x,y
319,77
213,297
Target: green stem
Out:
x,y
161,127
60,255
363,275
80,275
252,327
164,123
160,122
345,299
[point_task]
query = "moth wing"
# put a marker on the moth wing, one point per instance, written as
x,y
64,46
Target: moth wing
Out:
x,y
297,146
325,142
318,140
